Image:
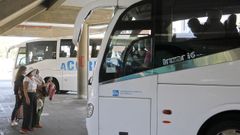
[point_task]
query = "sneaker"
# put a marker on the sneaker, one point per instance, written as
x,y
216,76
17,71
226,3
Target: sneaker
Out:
x,y
23,131
30,129
38,126
14,123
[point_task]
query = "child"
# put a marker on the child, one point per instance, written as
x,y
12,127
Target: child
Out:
x,y
51,88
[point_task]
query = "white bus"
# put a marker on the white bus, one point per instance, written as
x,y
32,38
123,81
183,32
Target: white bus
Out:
x,y
56,58
191,85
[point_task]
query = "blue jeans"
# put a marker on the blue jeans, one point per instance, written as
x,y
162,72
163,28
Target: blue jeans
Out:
x,y
17,106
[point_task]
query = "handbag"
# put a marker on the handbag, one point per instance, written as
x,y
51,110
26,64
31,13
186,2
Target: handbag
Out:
x,y
39,104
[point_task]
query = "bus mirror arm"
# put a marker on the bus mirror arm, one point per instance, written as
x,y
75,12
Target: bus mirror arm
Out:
x,y
90,80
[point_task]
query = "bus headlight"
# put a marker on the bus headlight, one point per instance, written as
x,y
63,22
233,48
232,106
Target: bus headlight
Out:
x,y
90,109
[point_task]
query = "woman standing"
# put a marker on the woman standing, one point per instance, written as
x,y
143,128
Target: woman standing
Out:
x,y
18,91
29,101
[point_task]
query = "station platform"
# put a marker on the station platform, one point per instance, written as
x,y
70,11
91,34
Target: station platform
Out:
x,y
64,115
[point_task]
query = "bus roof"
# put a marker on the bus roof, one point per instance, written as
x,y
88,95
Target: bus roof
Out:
x,y
188,8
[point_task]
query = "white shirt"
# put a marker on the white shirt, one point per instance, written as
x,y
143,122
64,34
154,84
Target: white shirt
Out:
x,y
32,84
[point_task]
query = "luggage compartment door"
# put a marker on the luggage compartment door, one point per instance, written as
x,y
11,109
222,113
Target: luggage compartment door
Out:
x,y
124,116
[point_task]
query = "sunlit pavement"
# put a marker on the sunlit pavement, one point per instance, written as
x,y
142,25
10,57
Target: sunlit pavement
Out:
x,y
64,115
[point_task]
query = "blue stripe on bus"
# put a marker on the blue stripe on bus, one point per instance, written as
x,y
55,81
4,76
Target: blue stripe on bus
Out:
x,y
222,57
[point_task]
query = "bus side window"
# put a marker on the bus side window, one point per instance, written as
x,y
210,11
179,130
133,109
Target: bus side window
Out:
x,y
40,50
73,53
54,55
47,55
67,49
63,54
185,46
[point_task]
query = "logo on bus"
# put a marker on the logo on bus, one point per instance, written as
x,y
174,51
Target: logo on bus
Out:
x,y
73,66
115,93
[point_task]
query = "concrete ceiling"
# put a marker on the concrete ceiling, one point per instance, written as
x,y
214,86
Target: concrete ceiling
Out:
x,y
44,20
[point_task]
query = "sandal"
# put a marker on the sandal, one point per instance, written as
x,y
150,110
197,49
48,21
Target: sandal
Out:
x,y
23,131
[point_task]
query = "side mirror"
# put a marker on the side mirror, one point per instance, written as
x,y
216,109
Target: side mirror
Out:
x,y
90,80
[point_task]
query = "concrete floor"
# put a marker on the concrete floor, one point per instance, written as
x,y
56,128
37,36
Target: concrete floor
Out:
x,y
64,115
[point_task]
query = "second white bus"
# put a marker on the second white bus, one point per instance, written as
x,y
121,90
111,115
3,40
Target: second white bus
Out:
x,y
56,58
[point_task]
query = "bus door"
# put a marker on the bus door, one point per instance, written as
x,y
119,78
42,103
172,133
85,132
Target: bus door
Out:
x,y
21,57
68,64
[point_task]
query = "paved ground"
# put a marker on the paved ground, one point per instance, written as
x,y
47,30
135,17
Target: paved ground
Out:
x,y
65,115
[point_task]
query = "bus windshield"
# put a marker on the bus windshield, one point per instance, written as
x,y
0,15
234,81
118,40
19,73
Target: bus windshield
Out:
x,y
41,50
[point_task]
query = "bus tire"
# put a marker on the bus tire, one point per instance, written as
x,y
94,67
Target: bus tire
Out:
x,y
64,91
226,126
55,81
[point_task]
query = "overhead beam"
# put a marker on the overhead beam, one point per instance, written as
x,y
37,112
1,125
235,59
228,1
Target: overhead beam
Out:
x,y
13,22
8,7
24,12
8,14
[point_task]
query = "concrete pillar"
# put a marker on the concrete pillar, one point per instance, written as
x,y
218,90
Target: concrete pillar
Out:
x,y
82,74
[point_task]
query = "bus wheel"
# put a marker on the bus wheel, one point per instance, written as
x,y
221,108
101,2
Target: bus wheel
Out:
x,y
64,91
229,127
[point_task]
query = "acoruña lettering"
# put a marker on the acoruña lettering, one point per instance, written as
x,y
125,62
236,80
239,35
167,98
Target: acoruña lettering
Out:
x,y
173,60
